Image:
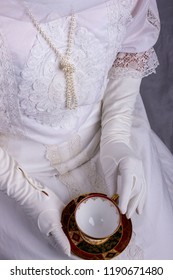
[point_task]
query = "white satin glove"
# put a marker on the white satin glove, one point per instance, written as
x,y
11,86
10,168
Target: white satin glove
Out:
x,y
116,156
39,202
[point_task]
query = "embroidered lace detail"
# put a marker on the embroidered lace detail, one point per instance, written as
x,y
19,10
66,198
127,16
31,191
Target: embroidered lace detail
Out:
x,y
136,65
78,165
73,186
84,179
58,154
72,154
9,113
42,90
153,19
119,14
67,156
96,180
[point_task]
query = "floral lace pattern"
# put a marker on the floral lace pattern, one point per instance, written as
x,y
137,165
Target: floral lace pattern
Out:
x,y
119,14
136,65
88,180
78,164
43,85
67,156
9,111
75,152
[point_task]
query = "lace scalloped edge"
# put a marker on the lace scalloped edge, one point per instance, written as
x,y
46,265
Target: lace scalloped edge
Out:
x,y
135,65
129,72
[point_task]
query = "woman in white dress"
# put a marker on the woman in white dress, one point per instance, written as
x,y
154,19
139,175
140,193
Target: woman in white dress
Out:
x,y
71,113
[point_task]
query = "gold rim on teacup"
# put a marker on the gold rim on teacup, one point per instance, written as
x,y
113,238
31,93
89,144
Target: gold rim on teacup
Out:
x,y
115,210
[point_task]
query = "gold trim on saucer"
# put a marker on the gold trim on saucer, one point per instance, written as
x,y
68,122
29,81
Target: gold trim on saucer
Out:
x,y
81,247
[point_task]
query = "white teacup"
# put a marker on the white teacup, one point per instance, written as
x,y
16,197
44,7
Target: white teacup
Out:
x,y
97,218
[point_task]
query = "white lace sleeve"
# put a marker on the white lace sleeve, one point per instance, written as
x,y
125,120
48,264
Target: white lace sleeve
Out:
x,y
136,65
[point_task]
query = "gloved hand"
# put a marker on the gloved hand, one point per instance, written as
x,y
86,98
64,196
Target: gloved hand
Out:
x,y
39,202
117,158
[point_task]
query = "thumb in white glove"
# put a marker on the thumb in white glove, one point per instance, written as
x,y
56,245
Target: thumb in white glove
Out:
x,y
129,176
131,186
39,202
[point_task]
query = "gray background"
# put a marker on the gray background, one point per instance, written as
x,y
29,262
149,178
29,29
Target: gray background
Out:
x,y
157,90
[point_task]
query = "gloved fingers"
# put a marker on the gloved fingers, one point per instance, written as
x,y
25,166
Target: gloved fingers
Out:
x,y
58,238
48,219
132,206
124,185
143,199
140,207
137,200
134,196
132,190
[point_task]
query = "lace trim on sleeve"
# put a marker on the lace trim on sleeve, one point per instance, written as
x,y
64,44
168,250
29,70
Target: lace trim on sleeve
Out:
x,y
135,65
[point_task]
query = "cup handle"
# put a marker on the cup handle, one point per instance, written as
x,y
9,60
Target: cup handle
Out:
x,y
115,198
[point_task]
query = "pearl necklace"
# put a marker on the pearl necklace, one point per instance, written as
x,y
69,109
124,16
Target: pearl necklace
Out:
x,y
64,59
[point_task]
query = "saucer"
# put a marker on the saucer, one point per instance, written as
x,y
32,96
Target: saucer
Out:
x,y
111,248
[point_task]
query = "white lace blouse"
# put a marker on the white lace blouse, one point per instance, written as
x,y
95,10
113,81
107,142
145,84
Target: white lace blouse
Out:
x,y
112,38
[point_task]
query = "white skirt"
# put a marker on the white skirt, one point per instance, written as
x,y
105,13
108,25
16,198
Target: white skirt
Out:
x,y
152,230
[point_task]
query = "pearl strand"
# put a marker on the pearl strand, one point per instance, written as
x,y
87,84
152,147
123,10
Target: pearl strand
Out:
x,y
64,60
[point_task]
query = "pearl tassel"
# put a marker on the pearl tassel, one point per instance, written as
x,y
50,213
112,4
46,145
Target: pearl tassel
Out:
x,y
69,69
65,64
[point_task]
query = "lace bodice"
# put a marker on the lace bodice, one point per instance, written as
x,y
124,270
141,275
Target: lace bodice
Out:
x,y
42,88
32,87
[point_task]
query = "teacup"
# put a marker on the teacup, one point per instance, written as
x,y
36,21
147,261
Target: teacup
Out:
x,y
97,217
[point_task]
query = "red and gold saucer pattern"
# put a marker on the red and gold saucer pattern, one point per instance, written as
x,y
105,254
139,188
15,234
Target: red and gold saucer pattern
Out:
x,y
105,251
